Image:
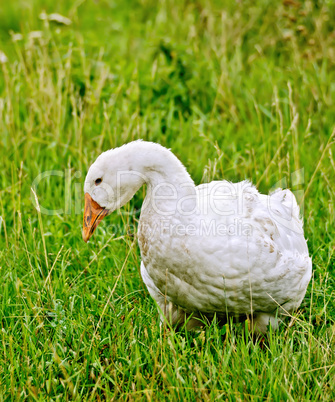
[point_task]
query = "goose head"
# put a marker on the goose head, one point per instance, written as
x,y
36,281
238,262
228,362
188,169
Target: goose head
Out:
x,y
110,183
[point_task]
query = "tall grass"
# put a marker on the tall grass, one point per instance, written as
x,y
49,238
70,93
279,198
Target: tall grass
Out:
x,y
237,90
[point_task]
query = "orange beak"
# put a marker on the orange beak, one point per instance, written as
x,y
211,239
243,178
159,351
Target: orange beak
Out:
x,y
93,215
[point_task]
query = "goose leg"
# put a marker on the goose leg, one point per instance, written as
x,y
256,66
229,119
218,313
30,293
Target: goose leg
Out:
x,y
260,321
175,315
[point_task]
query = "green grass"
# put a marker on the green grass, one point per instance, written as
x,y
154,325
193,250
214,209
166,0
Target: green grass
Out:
x,y
237,90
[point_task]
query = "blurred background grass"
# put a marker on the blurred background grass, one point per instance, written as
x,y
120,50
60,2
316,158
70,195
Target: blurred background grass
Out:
x,y
238,90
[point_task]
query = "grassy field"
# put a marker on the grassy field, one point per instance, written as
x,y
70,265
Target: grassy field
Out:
x,y
237,90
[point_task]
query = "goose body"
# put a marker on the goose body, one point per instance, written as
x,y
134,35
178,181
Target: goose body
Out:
x,y
218,249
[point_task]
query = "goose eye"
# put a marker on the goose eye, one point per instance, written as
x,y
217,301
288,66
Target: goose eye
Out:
x,y
98,181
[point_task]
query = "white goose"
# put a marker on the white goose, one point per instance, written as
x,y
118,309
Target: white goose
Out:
x,y
218,249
